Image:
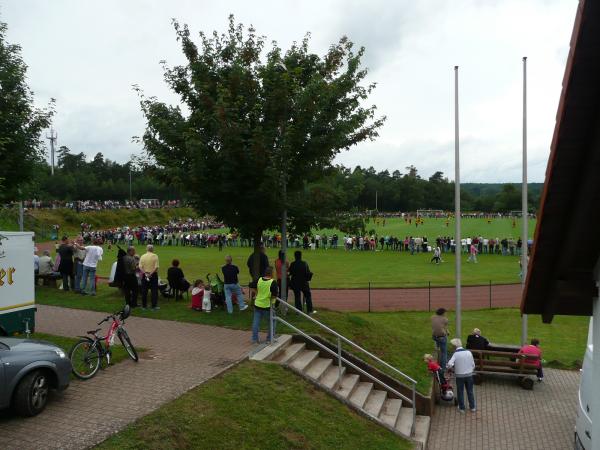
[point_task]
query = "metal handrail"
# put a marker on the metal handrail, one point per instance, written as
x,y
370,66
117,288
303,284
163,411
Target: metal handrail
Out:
x,y
348,341
351,364
340,358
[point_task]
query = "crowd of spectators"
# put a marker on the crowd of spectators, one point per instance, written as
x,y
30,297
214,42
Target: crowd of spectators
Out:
x,y
207,232
99,205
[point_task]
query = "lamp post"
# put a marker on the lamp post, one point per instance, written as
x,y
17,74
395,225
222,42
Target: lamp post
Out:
x,y
457,237
524,215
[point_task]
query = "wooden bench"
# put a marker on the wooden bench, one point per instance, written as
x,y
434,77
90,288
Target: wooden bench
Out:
x,y
47,280
513,364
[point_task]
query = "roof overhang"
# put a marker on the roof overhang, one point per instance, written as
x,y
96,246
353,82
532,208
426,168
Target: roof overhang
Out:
x,y
561,275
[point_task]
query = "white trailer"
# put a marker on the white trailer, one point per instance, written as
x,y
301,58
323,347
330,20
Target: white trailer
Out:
x,y
17,280
583,422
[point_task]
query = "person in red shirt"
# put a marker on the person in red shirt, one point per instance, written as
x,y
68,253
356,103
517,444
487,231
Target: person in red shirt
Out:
x,y
432,364
197,295
534,349
434,367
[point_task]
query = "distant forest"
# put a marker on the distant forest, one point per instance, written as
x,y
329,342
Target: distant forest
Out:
x,y
360,188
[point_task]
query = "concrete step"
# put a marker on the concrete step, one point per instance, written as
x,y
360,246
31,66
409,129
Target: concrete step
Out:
x,y
346,387
390,410
289,353
318,368
270,352
331,376
303,359
374,402
422,430
360,394
405,419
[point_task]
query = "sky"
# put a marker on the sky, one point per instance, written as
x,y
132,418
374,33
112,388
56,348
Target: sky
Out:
x,y
87,55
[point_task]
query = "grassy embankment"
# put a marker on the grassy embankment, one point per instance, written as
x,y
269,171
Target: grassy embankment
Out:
x,y
41,221
254,406
400,338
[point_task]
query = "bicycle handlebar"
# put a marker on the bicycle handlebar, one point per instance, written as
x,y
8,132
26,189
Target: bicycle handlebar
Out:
x,y
106,319
112,316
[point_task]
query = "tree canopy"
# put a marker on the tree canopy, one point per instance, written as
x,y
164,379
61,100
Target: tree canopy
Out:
x,y
408,192
76,178
342,190
21,124
253,121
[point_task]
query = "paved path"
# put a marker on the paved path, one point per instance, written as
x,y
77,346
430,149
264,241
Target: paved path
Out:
x,y
511,418
182,356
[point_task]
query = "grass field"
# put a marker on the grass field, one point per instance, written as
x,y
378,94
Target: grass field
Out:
x,y
400,338
432,228
278,412
69,221
332,268
340,268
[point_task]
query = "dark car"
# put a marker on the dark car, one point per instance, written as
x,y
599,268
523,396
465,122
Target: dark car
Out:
x,y
28,370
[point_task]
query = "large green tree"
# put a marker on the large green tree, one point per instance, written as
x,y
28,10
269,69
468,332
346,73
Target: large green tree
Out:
x,y
252,121
21,124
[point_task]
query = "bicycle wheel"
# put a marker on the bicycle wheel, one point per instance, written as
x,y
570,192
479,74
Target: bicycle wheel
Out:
x,y
124,338
85,359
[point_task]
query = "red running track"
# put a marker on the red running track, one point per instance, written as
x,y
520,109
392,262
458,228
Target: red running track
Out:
x,y
417,299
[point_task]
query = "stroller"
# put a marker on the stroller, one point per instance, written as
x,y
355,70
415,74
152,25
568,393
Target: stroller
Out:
x,y
446,391
217,291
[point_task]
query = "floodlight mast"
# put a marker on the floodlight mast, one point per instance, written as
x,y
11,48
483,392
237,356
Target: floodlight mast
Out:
x,y
52,138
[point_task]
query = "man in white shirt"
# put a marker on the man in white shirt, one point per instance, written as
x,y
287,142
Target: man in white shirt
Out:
x,y
93,254
463,364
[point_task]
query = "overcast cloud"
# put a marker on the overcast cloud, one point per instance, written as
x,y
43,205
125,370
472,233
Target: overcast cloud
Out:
x,y
88,54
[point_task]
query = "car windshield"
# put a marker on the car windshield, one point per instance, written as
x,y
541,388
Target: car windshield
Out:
x,y
3,346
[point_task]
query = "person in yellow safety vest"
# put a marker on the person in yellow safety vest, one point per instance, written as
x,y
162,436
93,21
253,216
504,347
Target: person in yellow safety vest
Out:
x,y
266,294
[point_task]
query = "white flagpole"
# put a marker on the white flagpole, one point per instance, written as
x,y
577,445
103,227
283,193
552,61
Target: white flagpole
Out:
x,y
457,238
524,214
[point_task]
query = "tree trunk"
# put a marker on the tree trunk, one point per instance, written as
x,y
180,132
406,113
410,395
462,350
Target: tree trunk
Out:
x,y
256,256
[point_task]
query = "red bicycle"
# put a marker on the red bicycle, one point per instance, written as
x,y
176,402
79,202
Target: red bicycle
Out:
x,y
87,354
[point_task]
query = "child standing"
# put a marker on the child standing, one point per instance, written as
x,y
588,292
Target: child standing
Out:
x,y
434,368
473,254
436,255
206,304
